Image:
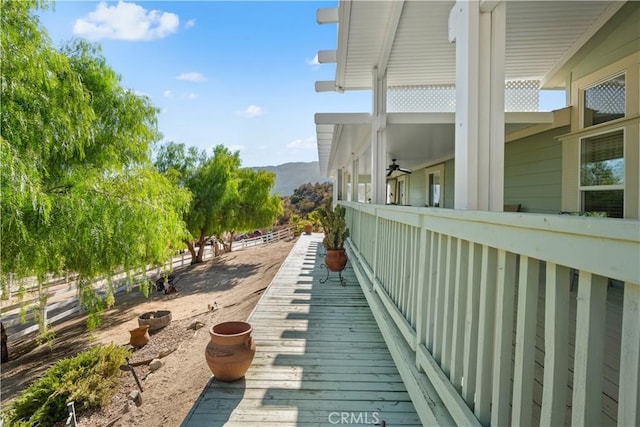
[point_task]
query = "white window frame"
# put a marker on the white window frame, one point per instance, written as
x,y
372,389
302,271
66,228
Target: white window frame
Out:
x,y
439,168
583,188
596,83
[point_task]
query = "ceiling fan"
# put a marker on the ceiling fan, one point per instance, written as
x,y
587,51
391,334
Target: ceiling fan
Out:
x,y
396,167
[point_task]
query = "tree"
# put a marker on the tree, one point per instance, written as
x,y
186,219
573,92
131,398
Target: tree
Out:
x,y
211,181
253,207
78,191
225,198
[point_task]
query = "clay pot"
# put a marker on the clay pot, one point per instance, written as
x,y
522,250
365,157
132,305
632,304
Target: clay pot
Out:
x,y
230,351
139,336
155,319
308,229
335,259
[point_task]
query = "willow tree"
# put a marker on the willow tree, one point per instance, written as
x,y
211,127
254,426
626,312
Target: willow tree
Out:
x,y
79,193
211,181
254,206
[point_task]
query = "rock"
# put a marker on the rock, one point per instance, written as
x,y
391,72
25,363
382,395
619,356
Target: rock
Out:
x,y
136,397
195,325
155,365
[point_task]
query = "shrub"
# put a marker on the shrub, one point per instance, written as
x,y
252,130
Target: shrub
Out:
x,y
88,379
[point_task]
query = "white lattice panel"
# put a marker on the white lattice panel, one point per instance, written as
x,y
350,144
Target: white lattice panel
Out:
x,y
520,95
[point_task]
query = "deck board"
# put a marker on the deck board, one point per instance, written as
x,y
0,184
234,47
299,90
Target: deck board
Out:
x,y
319,354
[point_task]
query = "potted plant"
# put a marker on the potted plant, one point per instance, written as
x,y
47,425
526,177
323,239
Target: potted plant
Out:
x,y
336,232
306,225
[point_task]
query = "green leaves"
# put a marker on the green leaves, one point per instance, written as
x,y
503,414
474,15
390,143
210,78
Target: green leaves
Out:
x,y
225,198
78,190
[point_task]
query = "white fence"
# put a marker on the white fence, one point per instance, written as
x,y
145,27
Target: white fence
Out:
x,y
514,319
61,292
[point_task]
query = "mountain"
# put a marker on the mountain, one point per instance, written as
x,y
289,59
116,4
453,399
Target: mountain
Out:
x,y
290,176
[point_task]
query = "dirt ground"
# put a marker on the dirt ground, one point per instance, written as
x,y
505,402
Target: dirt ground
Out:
x,y
225,288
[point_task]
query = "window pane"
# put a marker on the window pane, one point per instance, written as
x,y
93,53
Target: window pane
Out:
x,y
604,102
609,201
602,159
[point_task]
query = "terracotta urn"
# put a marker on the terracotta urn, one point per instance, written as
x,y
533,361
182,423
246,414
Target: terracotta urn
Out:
x,y
308,229
230,351
139,336
335,259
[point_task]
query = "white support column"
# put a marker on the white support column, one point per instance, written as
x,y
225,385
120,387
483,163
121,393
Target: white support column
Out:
x,y
337,186
379,137
355,180
479,140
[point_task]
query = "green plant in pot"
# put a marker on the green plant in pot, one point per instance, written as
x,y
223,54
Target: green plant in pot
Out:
x,y
335,233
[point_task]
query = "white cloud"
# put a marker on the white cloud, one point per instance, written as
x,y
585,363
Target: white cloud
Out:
x,y
192,77
167,94
313,61
251,111
303,144
190,23
126,21
191,96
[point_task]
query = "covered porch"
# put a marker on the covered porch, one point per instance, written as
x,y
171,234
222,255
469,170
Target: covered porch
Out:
x,y
514,318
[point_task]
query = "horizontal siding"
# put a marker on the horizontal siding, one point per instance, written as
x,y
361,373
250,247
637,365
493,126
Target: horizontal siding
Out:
x,y
533,172
449,183
609,46
418,188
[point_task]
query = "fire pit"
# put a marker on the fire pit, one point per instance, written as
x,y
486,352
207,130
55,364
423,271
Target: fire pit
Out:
x,y
155,319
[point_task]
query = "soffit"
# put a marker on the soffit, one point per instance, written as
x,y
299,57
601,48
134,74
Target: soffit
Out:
x,y
541,36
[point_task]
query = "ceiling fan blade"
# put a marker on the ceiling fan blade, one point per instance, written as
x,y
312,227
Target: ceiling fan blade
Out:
x,y
405,170
390,172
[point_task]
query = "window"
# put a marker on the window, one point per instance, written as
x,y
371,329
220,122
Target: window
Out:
x,y
604,102
602,173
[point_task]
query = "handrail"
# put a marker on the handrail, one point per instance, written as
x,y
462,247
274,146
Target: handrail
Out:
x,y
454,284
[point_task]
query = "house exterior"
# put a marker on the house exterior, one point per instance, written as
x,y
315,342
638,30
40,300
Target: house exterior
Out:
x,y
501,318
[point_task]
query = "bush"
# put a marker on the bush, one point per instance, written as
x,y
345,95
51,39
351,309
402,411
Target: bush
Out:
x,y
88,379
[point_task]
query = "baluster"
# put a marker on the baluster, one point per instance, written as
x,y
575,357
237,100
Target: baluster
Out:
x,y
439,299
431,294
501,409
422,288
459,310
469,362
486,320
449,287
589,353
556,347
523,374
629,391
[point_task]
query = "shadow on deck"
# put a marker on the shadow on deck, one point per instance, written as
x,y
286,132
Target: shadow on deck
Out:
x,y
320,358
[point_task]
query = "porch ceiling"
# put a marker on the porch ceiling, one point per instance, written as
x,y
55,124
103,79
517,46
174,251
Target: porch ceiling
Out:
x,y
415,139
411,39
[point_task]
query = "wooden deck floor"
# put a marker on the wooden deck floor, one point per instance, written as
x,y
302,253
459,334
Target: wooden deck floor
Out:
x,y
320,358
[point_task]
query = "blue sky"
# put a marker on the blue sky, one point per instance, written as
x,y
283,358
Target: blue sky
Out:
x,y
235,73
